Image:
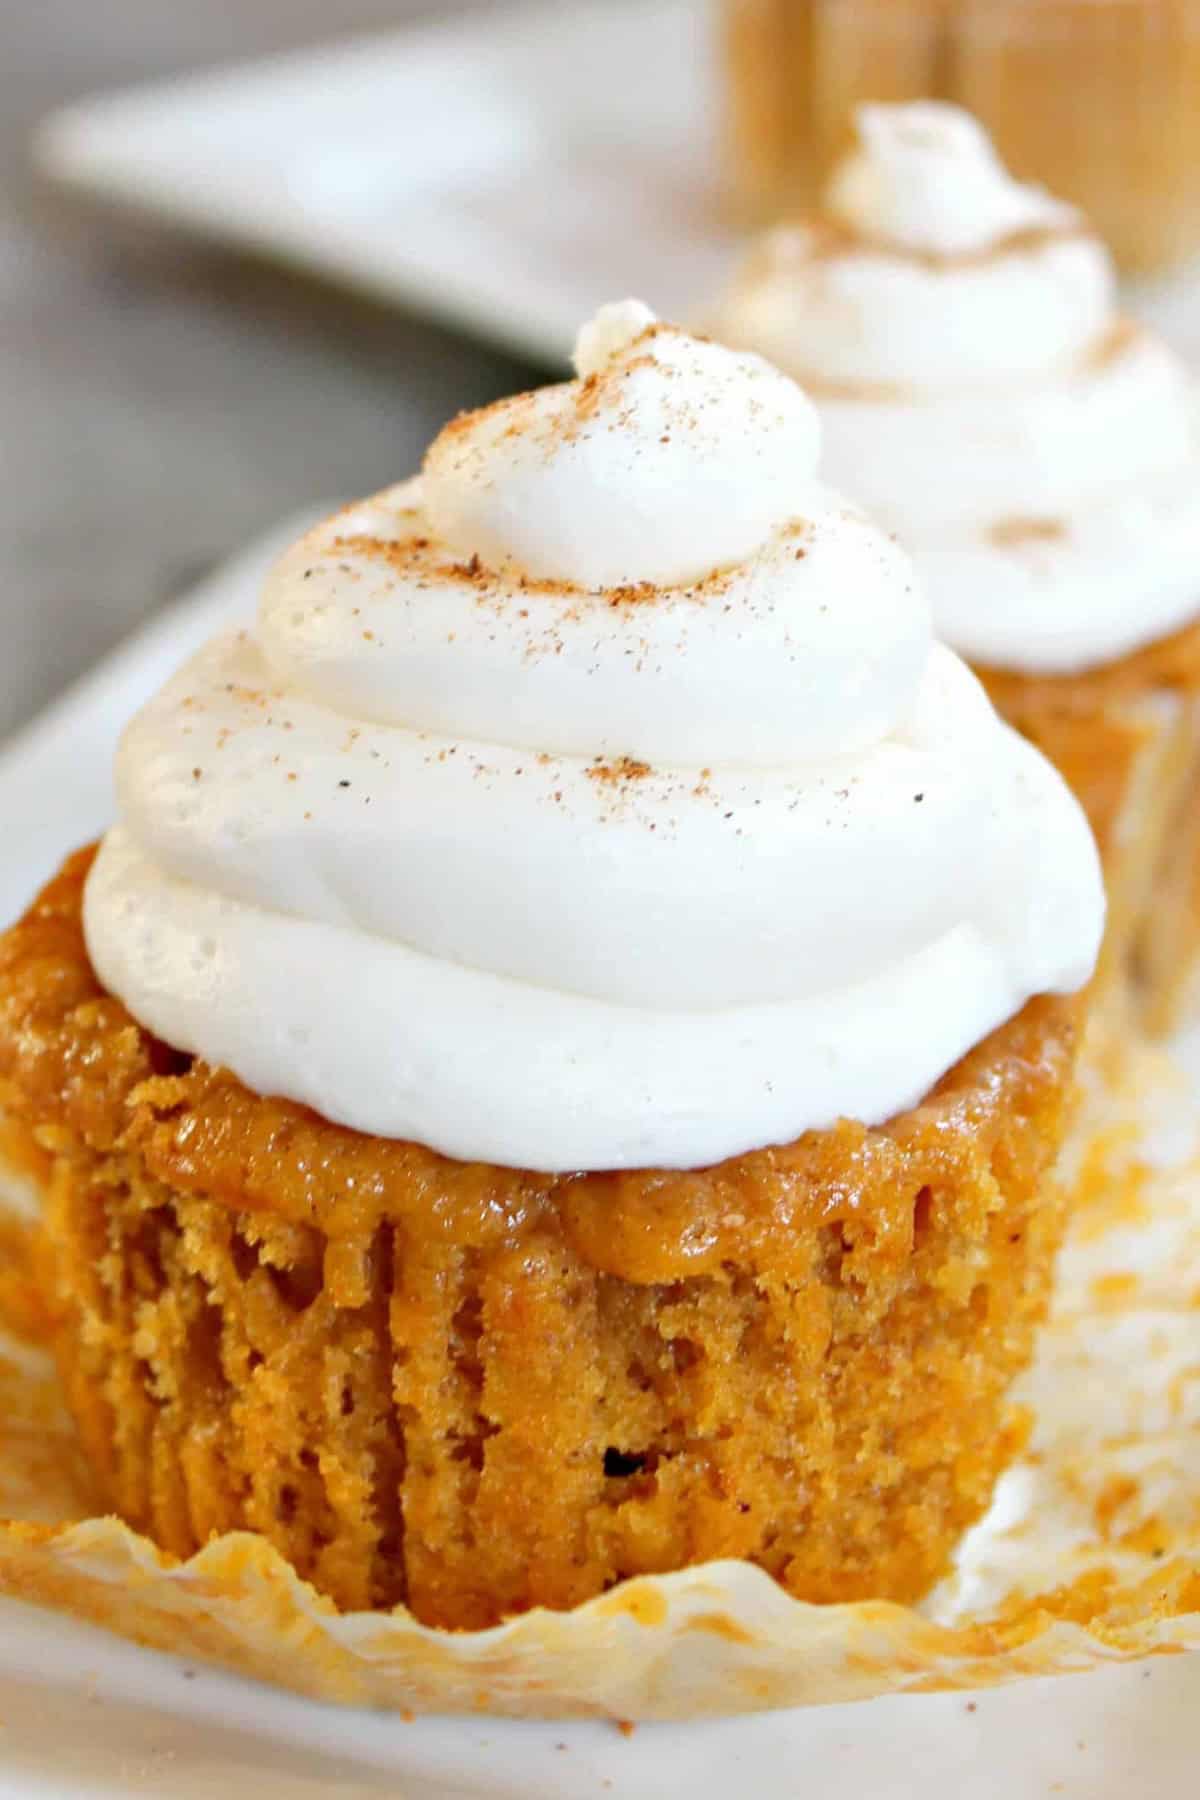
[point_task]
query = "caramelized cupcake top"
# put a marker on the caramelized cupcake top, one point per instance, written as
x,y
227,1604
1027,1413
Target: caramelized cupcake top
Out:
x,y
983,396
596,799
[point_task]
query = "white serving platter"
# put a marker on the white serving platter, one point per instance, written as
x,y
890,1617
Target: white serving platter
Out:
x,y
506,172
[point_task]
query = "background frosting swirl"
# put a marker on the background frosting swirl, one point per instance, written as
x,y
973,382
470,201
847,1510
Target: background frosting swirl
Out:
x,y
926,178
551,820
982,396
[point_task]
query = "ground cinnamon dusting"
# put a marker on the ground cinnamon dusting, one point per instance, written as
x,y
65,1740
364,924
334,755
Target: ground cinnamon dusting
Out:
x,y
1112,344
623,768
1009,534
825,239
631,593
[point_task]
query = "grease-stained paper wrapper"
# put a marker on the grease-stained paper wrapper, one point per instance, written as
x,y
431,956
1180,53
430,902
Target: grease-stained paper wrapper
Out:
x,y
1090,1553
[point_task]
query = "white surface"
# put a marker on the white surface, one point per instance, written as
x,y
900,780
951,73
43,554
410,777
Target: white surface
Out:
x,y
507,173
86,1717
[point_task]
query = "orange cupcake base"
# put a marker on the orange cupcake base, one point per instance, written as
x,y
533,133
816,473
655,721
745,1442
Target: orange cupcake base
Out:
x,y
478,1390
1127,739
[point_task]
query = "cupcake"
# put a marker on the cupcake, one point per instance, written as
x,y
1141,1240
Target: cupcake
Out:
x,y
1039,454
1098,97
556,1072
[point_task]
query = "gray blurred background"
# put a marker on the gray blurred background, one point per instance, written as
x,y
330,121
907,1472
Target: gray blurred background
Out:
x,y
161,403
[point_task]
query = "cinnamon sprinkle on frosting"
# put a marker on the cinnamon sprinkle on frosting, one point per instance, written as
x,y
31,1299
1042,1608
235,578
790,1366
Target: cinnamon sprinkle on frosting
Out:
x,y
618,769
1010,534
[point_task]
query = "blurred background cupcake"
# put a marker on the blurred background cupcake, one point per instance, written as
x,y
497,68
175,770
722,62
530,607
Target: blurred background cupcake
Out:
x,y
1098,99
983,396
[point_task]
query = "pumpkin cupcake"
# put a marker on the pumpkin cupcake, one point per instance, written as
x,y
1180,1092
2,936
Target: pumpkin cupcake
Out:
x,y
555,1074
1039,454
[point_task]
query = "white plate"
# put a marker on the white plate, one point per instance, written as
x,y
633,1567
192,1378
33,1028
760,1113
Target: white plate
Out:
x,y
506,172
87,1717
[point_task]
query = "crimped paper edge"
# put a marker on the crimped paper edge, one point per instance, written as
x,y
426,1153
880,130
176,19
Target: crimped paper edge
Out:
x,y
718,1639
715,1640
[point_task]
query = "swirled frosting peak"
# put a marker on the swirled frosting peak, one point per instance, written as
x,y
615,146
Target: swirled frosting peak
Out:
x,y
926,177
596,799
624,476
982,396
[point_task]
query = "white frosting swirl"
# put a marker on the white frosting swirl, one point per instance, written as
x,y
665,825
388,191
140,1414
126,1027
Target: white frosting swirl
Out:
x,y
925,177
982,397
596,800
556,485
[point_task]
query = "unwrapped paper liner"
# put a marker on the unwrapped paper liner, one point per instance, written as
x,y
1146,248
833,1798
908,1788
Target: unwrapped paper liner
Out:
x,y
1090,1553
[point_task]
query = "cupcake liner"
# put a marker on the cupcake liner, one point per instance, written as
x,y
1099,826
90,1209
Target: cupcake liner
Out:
x,y
1089,1554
